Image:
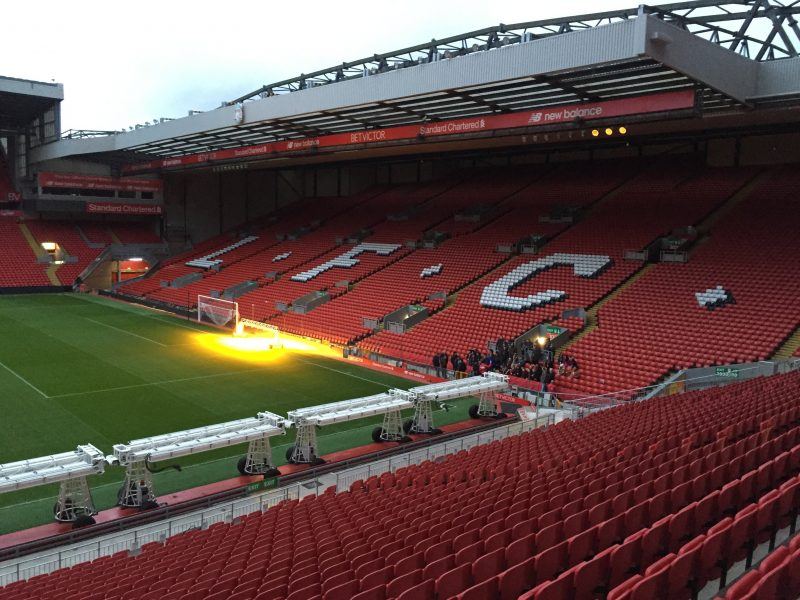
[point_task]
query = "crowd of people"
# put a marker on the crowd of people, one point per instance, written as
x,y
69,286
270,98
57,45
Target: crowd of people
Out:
x,y
530,361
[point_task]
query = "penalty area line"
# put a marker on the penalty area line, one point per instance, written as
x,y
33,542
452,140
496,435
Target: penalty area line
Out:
x,y
353,375
157,383
141,337
23,380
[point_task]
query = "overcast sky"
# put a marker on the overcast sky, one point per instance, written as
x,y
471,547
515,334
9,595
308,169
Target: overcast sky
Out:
x,y
124,63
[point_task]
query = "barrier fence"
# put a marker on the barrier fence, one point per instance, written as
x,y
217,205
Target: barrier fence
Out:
x,y
133,539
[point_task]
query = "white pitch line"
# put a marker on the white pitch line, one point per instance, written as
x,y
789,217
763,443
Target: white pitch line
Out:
x,y
23,380
141,337
175,322
311,362
156,383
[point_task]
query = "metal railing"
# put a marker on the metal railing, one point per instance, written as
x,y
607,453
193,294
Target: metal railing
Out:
x,y
132,540
437,452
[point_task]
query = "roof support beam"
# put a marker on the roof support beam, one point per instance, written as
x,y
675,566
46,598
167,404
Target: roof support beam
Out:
x,y
480,101
557,83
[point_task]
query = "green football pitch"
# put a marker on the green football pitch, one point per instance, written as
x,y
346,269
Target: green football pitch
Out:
x,y
78,369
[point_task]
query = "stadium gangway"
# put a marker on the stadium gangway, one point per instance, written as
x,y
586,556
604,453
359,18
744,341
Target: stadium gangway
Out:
x,y
390,404
136,456
70,469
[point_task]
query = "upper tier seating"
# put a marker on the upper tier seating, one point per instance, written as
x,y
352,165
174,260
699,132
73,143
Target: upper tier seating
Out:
x,y
657,324
645,501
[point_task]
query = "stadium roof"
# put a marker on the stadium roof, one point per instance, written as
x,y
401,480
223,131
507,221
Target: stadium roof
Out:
x,y
727,51
22,101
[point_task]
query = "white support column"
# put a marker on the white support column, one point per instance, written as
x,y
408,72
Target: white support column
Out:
x,y
305,446
487,405
392,430
258,460
137,489
74,500
423,416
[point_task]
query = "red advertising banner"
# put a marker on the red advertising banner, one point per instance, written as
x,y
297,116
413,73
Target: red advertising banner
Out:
x,y
118,208
92,182
587,111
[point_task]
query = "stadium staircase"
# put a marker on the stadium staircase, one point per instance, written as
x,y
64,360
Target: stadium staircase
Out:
x,y
675,497
790,348
592,311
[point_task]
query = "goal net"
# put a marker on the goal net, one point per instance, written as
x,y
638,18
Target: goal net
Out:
x,y
223,313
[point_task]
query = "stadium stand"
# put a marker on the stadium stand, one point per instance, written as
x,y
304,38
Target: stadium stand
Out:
x,y
657,325
18,267
679,195
463,259
82,241
613,208
67,236
669,504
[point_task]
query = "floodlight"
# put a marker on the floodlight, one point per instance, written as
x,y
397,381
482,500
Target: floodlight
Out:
x,y
623,130
595,132
541,340
136,259
49,246
609,131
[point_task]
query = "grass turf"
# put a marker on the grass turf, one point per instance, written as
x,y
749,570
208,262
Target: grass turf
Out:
x,y
78,369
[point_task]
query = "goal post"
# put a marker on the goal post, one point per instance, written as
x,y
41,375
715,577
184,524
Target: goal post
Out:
x,y
219,312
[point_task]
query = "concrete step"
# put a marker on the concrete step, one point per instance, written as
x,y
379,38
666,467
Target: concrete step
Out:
x,y
789,347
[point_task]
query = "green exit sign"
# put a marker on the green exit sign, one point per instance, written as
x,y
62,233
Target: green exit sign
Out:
x,y
726,372
265,484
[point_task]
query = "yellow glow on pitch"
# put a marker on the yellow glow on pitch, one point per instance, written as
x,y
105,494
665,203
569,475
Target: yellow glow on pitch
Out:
x,y
240,343
261,347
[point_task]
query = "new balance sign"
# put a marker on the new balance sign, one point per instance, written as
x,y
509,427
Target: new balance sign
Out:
x,y
652,103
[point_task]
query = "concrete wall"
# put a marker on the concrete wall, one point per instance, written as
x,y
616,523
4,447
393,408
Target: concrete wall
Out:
x,y
100,279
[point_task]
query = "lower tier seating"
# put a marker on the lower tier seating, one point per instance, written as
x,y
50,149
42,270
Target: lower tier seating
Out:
x,y
18,266
653,500
83,241
650,206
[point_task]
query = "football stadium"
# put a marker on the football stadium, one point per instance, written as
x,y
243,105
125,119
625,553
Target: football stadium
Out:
x,y
513,313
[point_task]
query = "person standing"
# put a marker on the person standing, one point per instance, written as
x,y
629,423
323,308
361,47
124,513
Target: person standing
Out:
x,y
437,365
